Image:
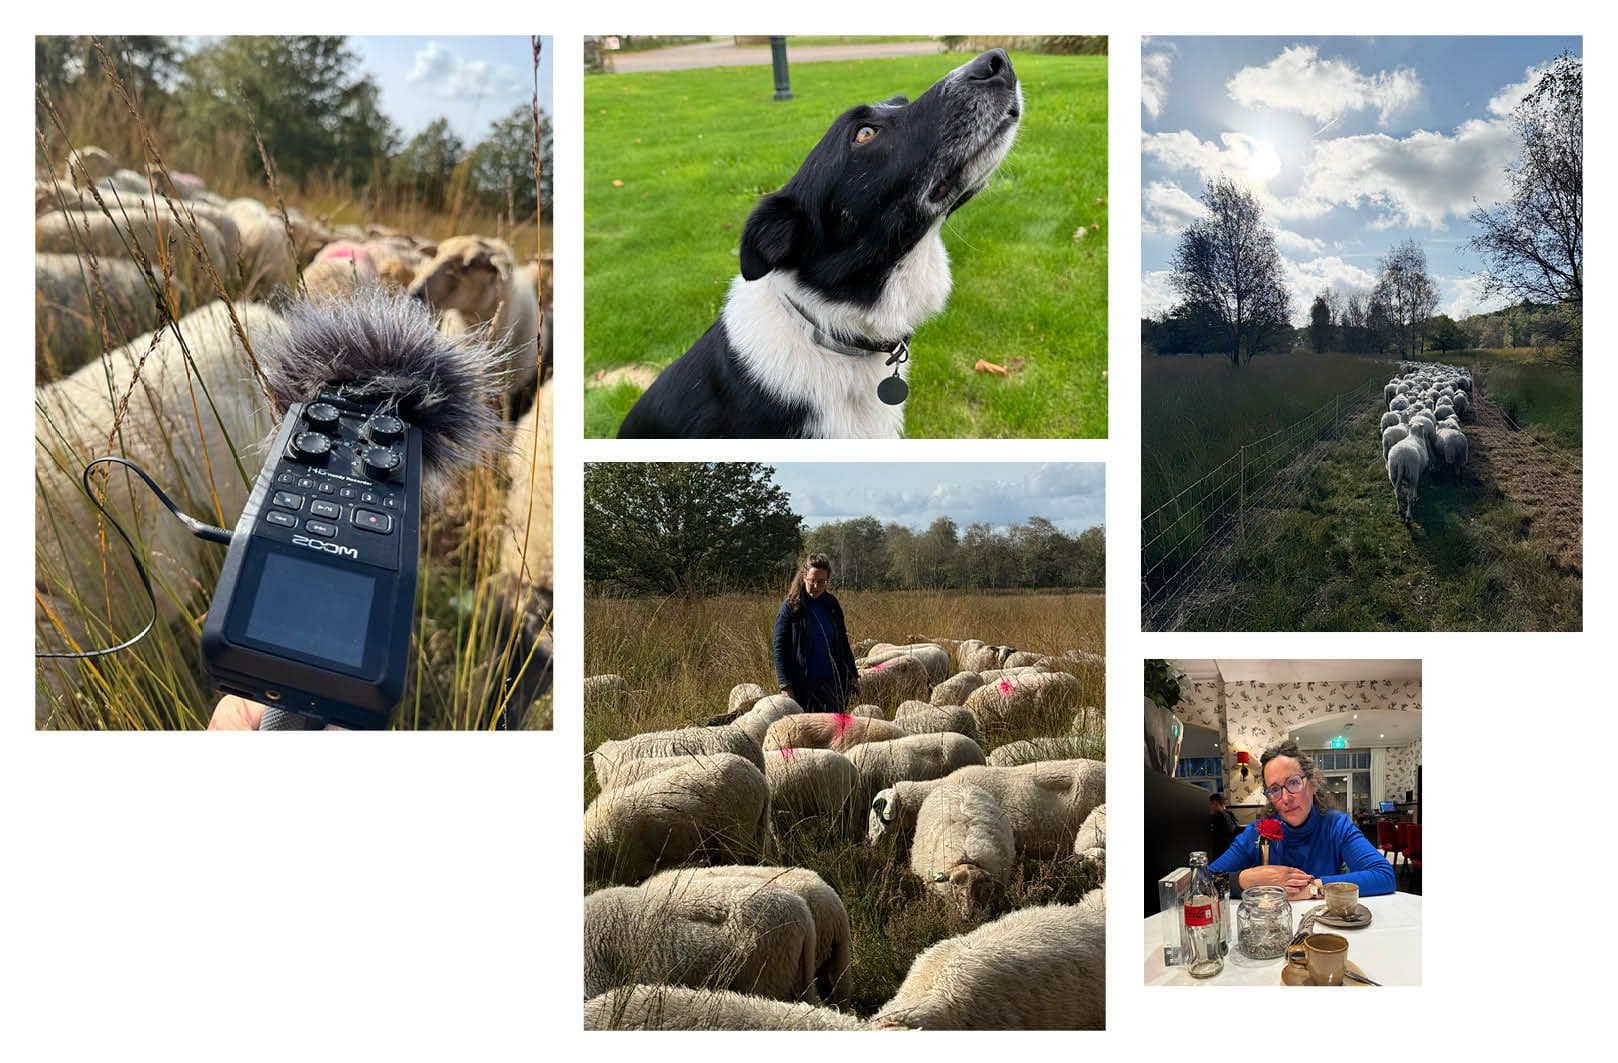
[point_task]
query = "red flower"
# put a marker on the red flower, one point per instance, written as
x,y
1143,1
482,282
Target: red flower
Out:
x,y
1270,829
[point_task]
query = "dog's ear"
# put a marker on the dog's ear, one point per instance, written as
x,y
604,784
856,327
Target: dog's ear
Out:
x,y
771,235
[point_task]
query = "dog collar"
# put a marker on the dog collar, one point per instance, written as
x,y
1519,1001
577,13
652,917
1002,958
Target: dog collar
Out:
x,y
893,390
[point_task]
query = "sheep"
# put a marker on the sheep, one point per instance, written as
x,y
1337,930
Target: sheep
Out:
x,y
1098,660
985,658
965,649
1399,403
965,845
828,730
894,680
1408,460
1027,659
756,721
913,758
67,318
89,164
917,718
834,947
159,429
934,659
1029,750
1392,435
1041,968
810,783
994,675
743,696
665,1007
1090,845
478,277
75,232
709,933
267,258
684,741
1047,801
1015,700
606,693
526,549
1450,448
1461,404
953,691
1443,411
870,712
339,269
864,646
1389,419
712,805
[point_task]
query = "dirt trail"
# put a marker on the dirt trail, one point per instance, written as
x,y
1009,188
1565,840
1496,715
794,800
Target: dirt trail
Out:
x,y
1547,484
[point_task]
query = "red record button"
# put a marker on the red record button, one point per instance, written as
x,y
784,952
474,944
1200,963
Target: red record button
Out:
x,y
371,520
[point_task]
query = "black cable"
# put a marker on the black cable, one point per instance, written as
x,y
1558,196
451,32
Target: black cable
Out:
x,y
197,528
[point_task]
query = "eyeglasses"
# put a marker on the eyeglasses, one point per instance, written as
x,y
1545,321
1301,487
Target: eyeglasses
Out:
x,y
1293,785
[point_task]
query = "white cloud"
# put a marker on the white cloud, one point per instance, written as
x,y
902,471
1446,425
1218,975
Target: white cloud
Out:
x,y
451,77
1463,296
1298,80
1306,279
1506,100
1157,295
1289,242
1168,208
1070,495
1249,161
1422,179
1156,68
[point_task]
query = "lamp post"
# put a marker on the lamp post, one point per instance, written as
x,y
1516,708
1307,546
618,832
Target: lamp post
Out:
x,y
778,60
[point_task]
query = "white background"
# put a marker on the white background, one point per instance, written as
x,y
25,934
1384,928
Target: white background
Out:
x,y
416,896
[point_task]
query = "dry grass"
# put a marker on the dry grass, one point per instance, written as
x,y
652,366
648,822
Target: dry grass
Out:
x,y
681,657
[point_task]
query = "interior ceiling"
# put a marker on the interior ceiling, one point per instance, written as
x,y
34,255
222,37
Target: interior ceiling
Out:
x,y
1363,730
1297,671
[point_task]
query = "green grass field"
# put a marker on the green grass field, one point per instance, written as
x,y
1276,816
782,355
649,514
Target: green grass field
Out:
x,y
694,151
682,657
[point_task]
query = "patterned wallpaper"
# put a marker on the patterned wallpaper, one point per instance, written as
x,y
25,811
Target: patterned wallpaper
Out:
x,y
1400,772
1199,704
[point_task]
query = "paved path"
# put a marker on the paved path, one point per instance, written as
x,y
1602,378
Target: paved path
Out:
x,y
725,53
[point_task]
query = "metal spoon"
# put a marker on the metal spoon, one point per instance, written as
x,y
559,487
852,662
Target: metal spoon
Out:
x,y
1359,977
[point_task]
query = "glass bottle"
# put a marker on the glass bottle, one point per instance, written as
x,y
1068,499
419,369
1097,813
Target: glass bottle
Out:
x,y
1202,936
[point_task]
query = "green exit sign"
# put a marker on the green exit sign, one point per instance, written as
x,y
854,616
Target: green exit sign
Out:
x,y
1337,743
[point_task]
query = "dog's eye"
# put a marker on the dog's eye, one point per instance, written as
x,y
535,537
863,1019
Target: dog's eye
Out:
x,y
866,133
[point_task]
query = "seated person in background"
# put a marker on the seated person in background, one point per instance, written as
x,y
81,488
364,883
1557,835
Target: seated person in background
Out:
x,y
1318,844
1222,828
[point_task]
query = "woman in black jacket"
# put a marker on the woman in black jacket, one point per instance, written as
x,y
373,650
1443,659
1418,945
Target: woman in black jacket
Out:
x,y
813,661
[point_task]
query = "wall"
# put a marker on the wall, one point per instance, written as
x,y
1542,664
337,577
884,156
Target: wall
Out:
x,y
1400,772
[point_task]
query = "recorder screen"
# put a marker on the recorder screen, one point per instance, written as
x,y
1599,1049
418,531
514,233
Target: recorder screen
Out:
x,y
312,610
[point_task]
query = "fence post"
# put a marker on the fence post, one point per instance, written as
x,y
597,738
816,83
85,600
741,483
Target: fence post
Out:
x,y
1241,496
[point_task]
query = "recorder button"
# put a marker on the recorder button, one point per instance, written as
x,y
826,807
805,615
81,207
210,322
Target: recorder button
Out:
x,y
285,520
286,478
371,520
391,502
287,500
346,492
322,415
326,488
320,527
321,508
380,463
311,446
384,429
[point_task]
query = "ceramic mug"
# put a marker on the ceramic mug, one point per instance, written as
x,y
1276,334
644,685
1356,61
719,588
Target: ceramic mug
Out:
x,y
1323,956
1341,897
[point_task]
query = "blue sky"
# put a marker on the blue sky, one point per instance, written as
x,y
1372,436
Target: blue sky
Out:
x,y
472,81
1351,145
1070,495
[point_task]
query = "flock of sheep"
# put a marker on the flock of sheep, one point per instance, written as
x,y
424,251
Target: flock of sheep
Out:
x,y
184,399
693,928
1422,429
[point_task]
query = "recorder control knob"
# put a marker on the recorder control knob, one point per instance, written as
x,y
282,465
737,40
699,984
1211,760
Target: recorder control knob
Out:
x,y
312,447
381,463
384,429
322,416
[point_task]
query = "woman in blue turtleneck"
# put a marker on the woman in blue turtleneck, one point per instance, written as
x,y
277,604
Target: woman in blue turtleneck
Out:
x,y
813,661
1318,844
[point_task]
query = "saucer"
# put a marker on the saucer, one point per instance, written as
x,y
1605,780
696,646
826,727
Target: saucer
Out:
x,y
1292,974
1360,918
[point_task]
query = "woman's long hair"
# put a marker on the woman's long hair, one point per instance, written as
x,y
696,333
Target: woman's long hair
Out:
x,y
1306,766
795,591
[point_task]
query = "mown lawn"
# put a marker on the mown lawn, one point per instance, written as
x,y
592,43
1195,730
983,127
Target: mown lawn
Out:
x,y
695,149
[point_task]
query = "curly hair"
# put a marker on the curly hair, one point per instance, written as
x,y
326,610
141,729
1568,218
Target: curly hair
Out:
x,y
1306,765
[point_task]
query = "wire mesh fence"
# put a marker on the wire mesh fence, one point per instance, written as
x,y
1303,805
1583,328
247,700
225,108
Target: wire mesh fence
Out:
x,y
1185,540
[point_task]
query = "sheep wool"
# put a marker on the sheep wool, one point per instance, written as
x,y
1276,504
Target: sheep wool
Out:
x,y
1014,701
1030,750
714,806
1041,968
965,845
894,680
606,693
828,730
954,690
934,659
1047,801
683,741
914,757
807,783
917,718
666,1007
743,696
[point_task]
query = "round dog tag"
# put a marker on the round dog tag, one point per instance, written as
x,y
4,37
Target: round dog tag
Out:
x,y
893,390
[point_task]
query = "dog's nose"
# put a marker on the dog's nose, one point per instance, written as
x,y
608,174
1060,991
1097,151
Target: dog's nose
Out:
x,y
992,66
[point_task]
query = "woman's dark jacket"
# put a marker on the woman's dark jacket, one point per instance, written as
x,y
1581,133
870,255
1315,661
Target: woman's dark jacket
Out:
x,y
792,646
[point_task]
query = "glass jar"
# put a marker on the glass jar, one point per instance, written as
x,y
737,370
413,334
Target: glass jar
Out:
x,y
1263,922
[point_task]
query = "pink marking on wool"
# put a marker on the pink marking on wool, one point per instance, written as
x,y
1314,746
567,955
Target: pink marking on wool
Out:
x,y
788,753
342,252
843,722
1006,686
884,664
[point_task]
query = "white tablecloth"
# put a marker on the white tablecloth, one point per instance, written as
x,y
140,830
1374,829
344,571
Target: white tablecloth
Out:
x,y
1388,951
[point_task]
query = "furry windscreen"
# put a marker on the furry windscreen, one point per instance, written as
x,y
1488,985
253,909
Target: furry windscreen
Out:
x,y
382,346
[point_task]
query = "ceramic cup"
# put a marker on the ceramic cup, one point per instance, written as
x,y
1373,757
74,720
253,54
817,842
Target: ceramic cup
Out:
x,y
1342,897
1324,956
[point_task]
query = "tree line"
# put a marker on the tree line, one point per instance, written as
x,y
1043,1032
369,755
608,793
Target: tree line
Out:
x,y
1227,271
710,527
306,98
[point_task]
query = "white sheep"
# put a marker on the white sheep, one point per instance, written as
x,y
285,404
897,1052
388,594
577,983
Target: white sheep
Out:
x,y
870,712
965,649
1047,801
67,311
757,720
526,547
965,845
713,807
667,1007
985,658
1450,447
480,279
1090,845
1030,750
834,939
894,680
994,675
159,236
1014,701
1391,435
709,933
1389,419
814,783
880,765
743,696
680,742
1408,460
935,659
1041,968
267,259
1028,659
954,690
606,693
828,730
918,718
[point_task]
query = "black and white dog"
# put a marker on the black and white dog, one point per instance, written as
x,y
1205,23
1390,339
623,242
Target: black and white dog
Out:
x,y
838,270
